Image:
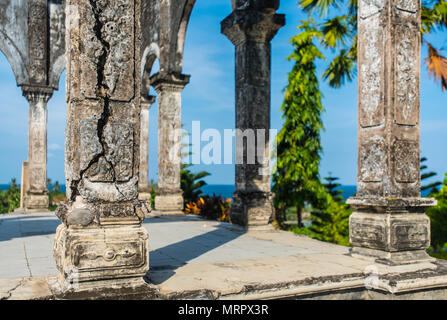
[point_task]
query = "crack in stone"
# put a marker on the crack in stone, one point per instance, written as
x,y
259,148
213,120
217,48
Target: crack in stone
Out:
x,y
27,261
102,93
9,292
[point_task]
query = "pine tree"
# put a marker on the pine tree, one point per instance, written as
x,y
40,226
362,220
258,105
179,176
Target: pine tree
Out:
x,y
432,186
331,224
296,178
331,187
438,218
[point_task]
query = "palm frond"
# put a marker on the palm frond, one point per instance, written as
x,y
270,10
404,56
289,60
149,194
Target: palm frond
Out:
x,y
342,68
321,6
335,32
437,65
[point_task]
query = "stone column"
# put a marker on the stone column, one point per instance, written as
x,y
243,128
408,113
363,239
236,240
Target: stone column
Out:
x,y
101,237
144,193
34,193
169,86
389,222
251,31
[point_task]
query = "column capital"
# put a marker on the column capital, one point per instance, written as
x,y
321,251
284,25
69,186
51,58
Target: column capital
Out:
x,y
252,25
170,81
388,204
265,5
36,93
147,101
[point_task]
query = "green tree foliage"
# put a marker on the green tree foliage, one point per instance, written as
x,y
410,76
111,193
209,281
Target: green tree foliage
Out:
x,y
10,199
433,187
296,177
54,194
438,218
153,187
332,223
191,183
339,34
332,186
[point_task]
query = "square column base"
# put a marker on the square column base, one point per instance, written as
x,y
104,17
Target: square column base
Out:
x,y
251,209
392,258
144,196
169,203
36,202
114,289
391,230
100,253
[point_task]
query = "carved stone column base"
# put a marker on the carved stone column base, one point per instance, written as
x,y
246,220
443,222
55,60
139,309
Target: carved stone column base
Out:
x,y
122,289
251,209
392,258
146,198
392,230
36,202
100,253
169,202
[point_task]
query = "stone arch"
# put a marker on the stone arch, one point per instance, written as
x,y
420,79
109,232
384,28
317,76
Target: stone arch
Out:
x,y
150,55
181,35
56,71
14,57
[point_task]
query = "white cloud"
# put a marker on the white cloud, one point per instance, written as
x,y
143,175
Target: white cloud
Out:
x,y
54,146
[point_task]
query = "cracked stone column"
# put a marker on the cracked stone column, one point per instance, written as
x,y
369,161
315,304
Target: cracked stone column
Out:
x,y
169,86
144,193
251,29
101,237
34,193
389,222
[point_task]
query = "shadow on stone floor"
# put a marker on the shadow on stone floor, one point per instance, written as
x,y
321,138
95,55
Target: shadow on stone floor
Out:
x,y
180,253
176,218
27,226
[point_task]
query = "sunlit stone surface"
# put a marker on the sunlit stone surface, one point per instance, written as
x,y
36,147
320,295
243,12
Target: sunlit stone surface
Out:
x,y
389,222
101,236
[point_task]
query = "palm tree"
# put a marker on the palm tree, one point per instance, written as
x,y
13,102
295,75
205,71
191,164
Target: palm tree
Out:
x,y
339,34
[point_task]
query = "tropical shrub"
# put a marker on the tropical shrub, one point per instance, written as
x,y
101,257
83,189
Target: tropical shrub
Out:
x,y
330,224
212,208
438,218
10,198
191,183
55,195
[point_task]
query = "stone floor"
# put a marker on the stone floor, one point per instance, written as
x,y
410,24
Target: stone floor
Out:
x,y
191,257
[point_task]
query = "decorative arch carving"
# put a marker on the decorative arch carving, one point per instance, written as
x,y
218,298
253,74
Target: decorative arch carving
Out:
x,y
56,71
181,35
150,55
14,57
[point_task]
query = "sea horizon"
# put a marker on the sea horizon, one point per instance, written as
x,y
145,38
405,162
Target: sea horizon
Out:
x,y
226,190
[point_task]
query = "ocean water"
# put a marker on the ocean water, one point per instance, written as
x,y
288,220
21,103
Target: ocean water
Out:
x,y
226,190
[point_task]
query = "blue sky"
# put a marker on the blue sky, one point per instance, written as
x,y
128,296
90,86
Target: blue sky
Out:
x,y
209,98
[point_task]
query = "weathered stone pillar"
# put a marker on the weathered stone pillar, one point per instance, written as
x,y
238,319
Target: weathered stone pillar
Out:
x,y
144,193
101,237
251,29
389,222
169,86
34,193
